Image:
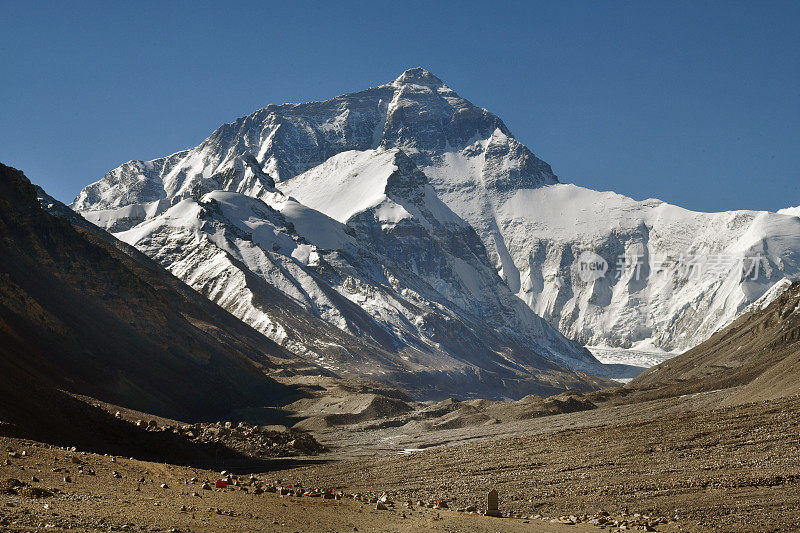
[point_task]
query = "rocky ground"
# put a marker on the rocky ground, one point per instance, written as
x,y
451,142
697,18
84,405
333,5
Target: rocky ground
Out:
x,y
246,439
604,461
728,469
44,488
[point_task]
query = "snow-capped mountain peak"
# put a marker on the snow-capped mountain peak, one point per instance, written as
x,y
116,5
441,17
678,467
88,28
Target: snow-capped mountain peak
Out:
x,y
419,76
417,113
412,214
330,204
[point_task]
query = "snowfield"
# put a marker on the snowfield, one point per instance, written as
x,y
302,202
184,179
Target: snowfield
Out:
x,y
543,231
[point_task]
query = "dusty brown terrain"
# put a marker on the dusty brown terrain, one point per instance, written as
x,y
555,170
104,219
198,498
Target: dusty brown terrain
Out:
x,y
158,497
678,464
728,469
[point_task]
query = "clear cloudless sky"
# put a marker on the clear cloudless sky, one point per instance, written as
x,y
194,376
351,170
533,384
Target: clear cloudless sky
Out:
x,y
696,103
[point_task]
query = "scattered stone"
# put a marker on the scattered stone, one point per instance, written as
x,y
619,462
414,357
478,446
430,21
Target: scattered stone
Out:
x,y
9,485
34,492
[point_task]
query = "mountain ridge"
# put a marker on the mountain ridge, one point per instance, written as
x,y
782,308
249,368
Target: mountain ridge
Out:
x,y
252,227
489,179
389,110
532,227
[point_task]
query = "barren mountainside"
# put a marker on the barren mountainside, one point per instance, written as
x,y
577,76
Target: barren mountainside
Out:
x,y
79,314
759,352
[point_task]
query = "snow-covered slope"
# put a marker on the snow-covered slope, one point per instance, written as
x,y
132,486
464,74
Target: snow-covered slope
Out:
x,y
381,280
791,211
380,185
387,203
416,112
674,276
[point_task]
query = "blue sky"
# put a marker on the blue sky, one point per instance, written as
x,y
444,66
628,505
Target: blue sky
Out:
x,y
696,103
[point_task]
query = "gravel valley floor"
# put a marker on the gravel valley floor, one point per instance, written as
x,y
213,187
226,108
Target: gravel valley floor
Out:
x,y
668,465
695,466
120,494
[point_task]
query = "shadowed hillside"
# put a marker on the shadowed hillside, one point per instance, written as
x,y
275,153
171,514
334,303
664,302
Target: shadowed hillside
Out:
x,y
78,313
760,351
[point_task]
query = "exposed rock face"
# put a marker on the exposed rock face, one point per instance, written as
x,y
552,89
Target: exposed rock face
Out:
x,y
416,112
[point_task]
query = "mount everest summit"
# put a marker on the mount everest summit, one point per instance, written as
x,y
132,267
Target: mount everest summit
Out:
x,y
404,234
